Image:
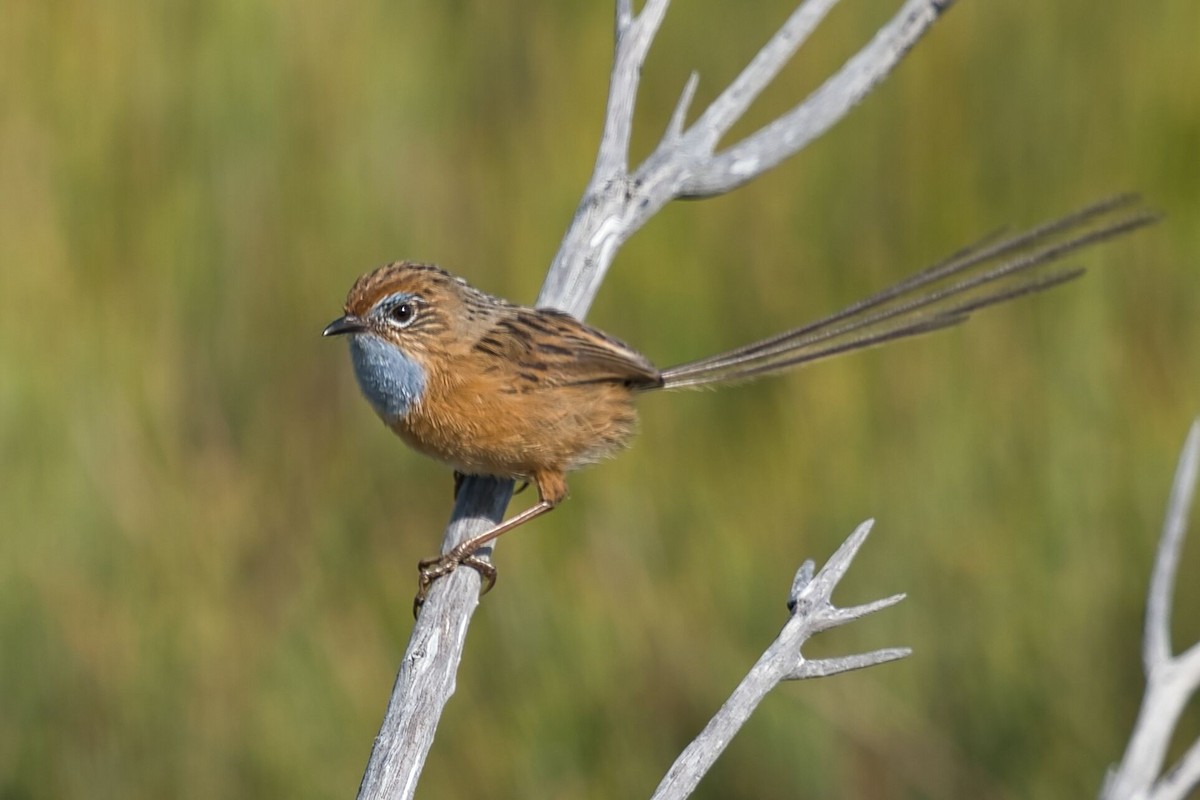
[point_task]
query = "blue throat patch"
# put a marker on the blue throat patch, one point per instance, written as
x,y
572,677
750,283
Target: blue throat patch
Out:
x,y
388,378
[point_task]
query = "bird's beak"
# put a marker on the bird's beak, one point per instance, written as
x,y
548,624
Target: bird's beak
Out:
x,y
346,324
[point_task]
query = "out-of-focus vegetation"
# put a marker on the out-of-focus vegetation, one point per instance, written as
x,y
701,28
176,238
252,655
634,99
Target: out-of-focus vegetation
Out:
x,y
207,544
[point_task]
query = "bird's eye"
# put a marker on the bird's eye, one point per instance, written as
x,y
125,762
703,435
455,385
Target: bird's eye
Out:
x,y
404,313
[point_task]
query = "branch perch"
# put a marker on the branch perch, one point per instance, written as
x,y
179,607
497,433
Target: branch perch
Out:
x,y
615,204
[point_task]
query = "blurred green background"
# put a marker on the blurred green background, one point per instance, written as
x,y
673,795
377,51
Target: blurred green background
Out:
x,y
208,539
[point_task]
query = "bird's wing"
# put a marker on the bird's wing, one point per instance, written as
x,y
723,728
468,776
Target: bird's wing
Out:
x,y
559,350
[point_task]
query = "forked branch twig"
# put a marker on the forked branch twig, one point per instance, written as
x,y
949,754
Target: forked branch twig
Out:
x,y
686,162
812,612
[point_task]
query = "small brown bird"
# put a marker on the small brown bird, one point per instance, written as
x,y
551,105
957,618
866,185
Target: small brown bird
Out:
x,y
493,388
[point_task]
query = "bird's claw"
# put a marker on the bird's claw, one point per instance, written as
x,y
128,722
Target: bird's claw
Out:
x,y
430,569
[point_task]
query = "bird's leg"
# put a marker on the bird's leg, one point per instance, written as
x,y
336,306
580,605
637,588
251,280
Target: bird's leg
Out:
x,y
552,489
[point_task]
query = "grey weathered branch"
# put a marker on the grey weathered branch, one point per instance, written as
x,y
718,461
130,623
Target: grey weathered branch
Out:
x,y
812,612
426,677
686,162
615,204
1171,681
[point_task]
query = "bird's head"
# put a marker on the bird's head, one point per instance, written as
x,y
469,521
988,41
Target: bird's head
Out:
x,y
400,319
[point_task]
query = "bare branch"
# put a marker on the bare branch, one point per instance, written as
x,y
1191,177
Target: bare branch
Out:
x,y
812,612
823,667
831,574
679,115
843,615
624,18
616,204
762,69
634,36
1170,680
803,578
787,135
1179,781
1166,563
426,677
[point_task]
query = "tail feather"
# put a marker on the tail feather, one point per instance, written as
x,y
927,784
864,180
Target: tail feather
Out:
x,y
994,270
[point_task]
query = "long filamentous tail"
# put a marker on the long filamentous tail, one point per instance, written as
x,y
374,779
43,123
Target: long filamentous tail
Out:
x,y
994,270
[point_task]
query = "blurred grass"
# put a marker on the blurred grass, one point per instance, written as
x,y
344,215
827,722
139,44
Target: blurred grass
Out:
x,y
208,547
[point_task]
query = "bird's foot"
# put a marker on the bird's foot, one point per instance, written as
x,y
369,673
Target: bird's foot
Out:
x,y
431,569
